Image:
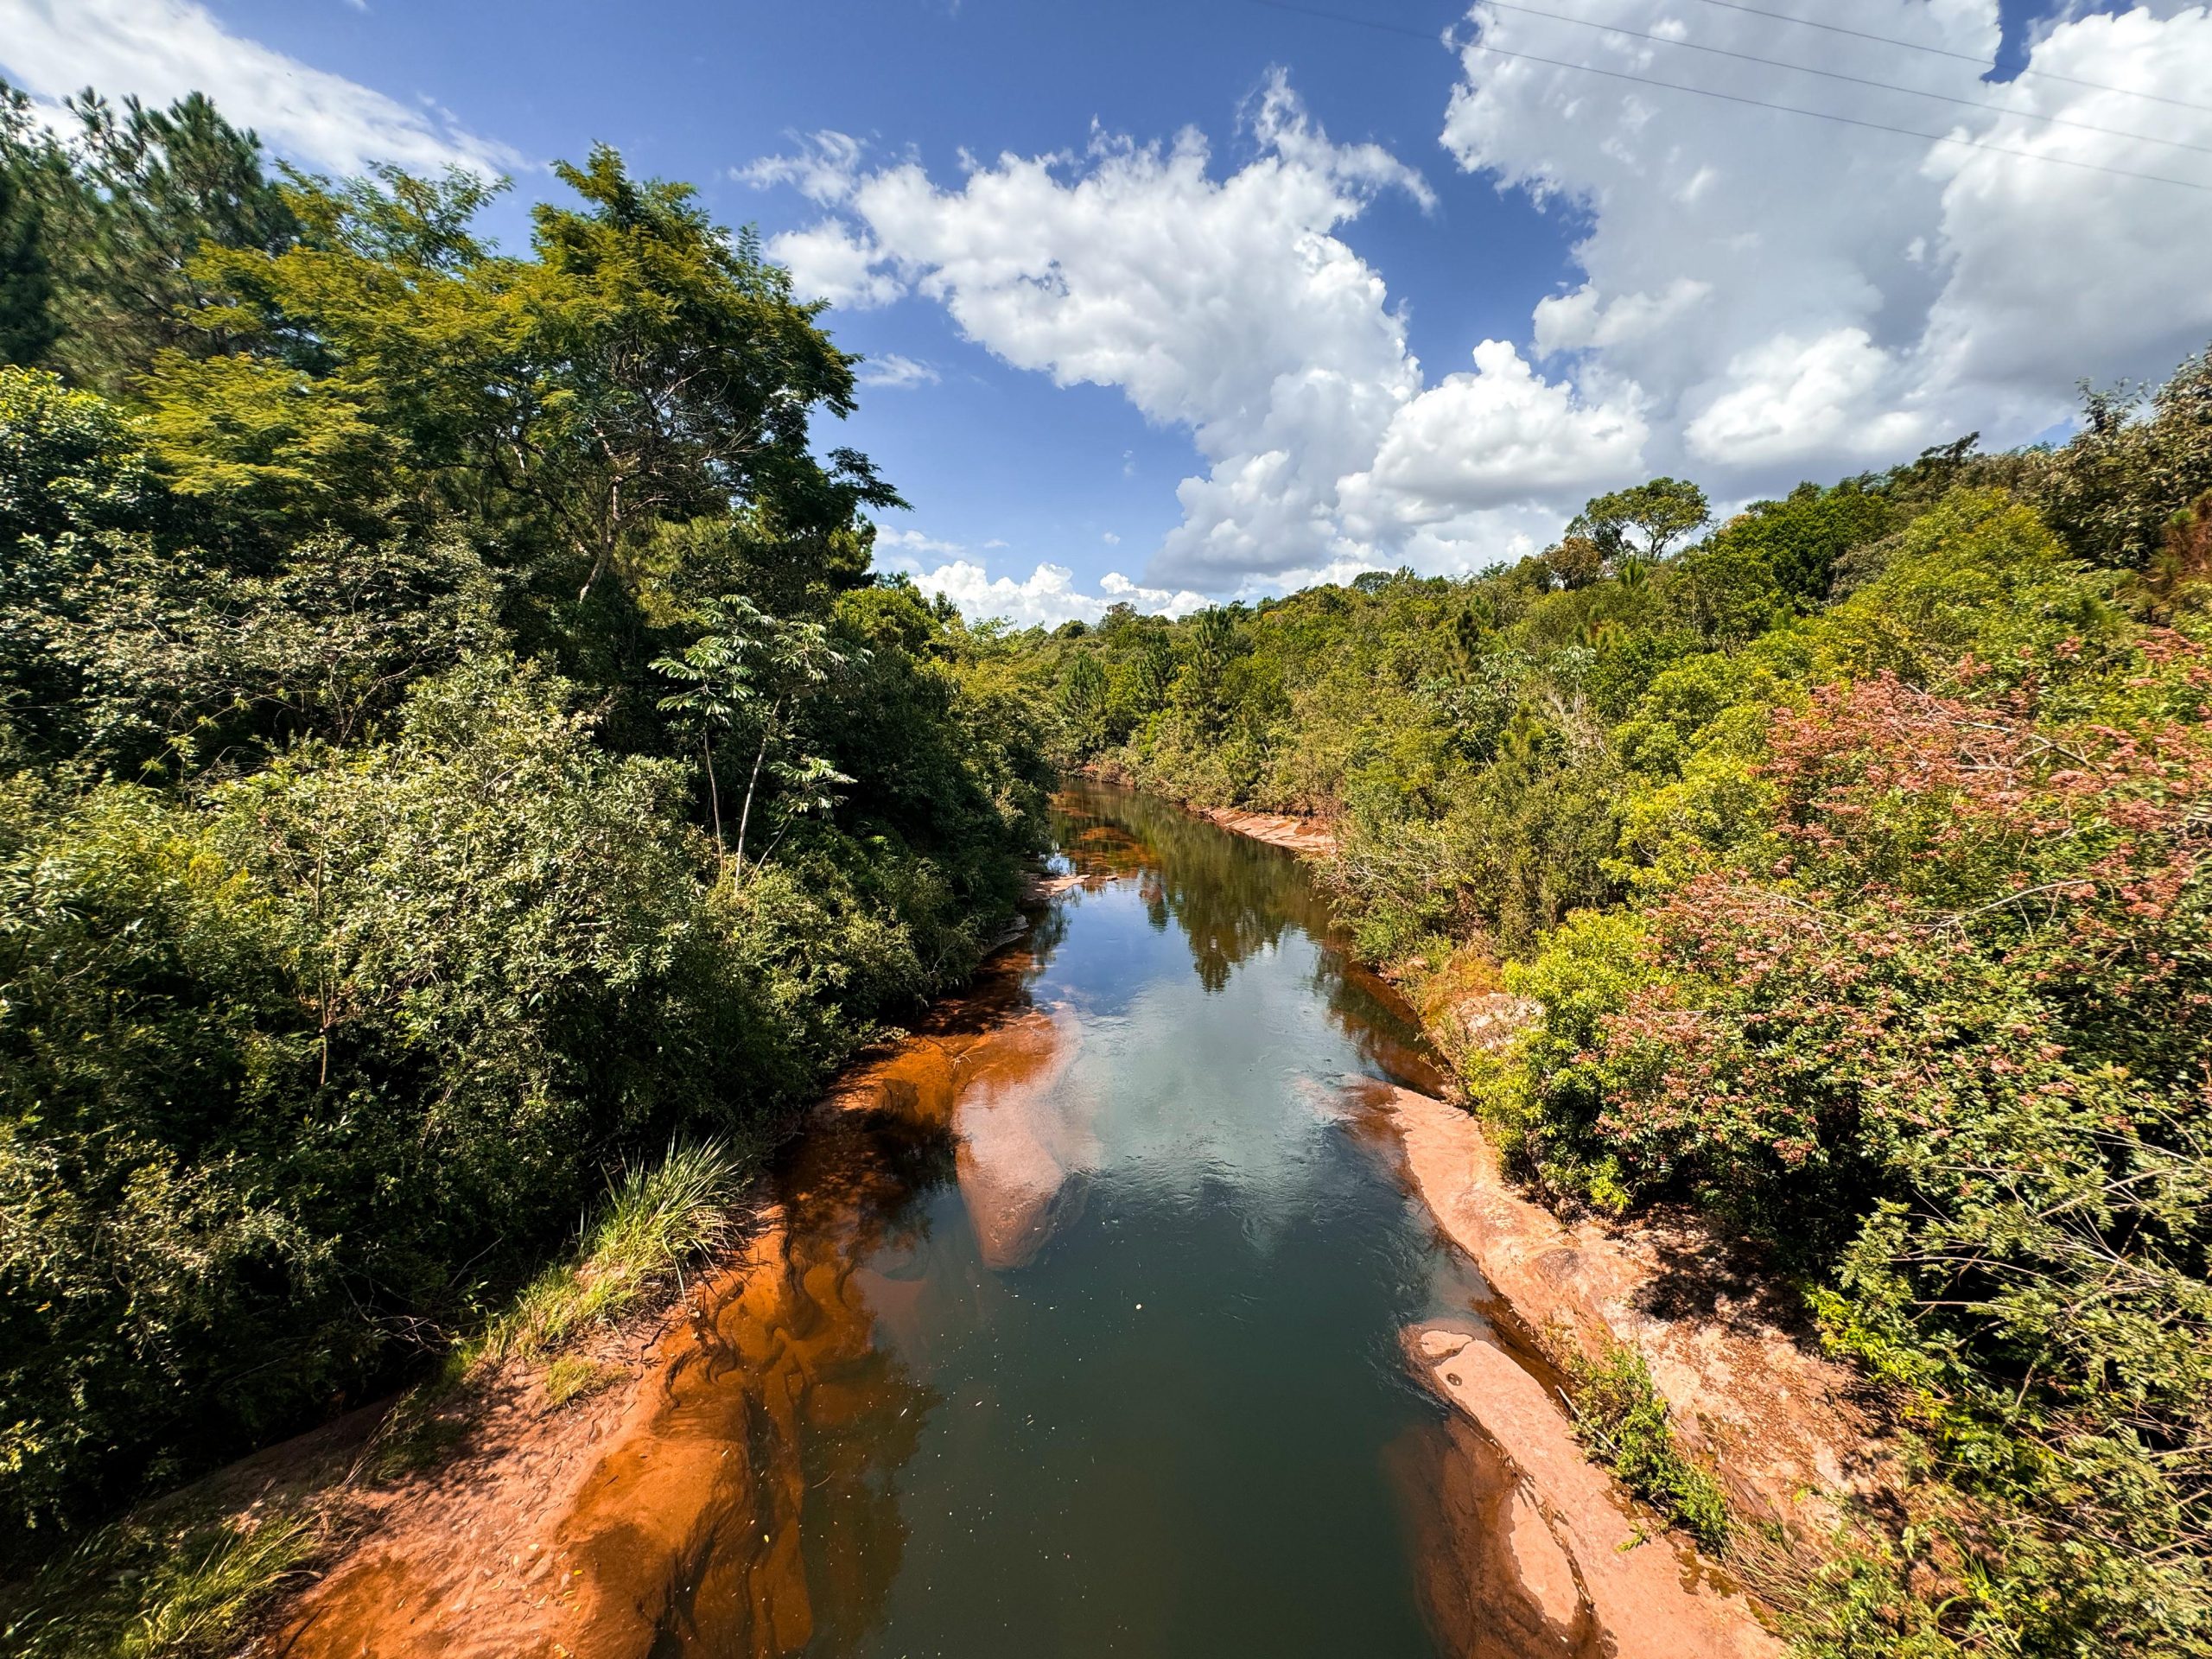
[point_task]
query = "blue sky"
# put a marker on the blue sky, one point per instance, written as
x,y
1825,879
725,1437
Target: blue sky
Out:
x,y
1817,299
988,453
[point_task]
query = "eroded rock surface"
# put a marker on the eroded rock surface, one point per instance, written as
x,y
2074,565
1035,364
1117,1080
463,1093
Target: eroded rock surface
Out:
x,y
1748,1389
1309,836
1590,1580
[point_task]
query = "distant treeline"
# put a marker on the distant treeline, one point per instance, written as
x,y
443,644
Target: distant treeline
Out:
x,y
1856,851
452,742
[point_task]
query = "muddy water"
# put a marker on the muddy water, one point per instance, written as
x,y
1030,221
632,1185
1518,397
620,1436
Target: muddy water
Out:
x,y
1080,1335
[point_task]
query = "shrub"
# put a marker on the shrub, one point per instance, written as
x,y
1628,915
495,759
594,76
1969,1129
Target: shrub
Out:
x,y
1622,1415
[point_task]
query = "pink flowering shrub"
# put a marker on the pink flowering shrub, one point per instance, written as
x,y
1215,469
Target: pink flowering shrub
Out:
x,y
1948,1046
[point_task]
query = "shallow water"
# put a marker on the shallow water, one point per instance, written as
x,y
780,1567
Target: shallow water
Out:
x,y
1085,1336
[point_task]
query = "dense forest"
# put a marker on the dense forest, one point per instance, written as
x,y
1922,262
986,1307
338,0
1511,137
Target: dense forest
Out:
x,y
455,746
1854,851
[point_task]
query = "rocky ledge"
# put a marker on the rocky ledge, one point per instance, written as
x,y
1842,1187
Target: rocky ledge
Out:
x,y
1750,1395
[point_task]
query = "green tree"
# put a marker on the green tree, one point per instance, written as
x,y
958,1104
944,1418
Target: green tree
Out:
x,y
1155,667
750,669
2110,489
122,215
643,370
1083,702
1646,519
30,159
1802,538
1210,647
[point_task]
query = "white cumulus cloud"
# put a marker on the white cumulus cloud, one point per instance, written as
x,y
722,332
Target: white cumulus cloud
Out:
x,y
1046,597
1230,307
1494,438
1223,305
159,50
1755,297
1794,297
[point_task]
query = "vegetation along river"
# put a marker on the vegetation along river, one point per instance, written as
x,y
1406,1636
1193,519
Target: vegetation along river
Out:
x,y
1086,1338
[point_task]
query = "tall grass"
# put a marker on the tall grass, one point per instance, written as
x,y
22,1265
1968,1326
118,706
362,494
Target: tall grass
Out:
x,y
658,1218
135,1590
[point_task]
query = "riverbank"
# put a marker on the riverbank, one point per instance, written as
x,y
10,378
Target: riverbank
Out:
x,y
1309,837
1750,1396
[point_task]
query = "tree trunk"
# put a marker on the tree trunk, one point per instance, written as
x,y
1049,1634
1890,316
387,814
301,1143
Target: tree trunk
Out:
x,y
714,804
745,816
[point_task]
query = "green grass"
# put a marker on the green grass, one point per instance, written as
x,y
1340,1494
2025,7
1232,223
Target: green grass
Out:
x,y
657,1219
1622,1418
572,1377
137,1590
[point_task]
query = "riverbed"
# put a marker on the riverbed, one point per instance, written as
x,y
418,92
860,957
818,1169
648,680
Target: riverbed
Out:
x,y
1119,1291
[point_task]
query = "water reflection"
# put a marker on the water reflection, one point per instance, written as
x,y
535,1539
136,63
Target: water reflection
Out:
x,y
1078,1334
1229,897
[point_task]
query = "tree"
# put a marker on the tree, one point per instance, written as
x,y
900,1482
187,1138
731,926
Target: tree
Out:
x,y
666,372
28,157
1155,667
2112,490
1212,643
643,370
122,215
1802,538
1646,519
1577,561
750,667
1083,702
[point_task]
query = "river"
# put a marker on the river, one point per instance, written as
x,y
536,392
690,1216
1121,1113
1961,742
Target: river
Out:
x,y
1089,1337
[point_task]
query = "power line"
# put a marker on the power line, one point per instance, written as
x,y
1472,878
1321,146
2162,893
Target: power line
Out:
x,y
1945,51
1856,80
1846,120
1733,98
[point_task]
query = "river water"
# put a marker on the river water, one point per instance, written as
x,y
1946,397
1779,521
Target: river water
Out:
x,y
1085,1340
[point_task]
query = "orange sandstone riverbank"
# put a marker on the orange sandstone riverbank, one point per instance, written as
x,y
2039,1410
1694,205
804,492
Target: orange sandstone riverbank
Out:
x,y
1309,837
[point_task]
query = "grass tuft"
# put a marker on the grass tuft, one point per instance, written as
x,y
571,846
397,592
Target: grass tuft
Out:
x,y
572,1377
657,1219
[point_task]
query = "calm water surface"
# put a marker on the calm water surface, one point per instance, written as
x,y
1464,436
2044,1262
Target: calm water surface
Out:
x,y
1094,1346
